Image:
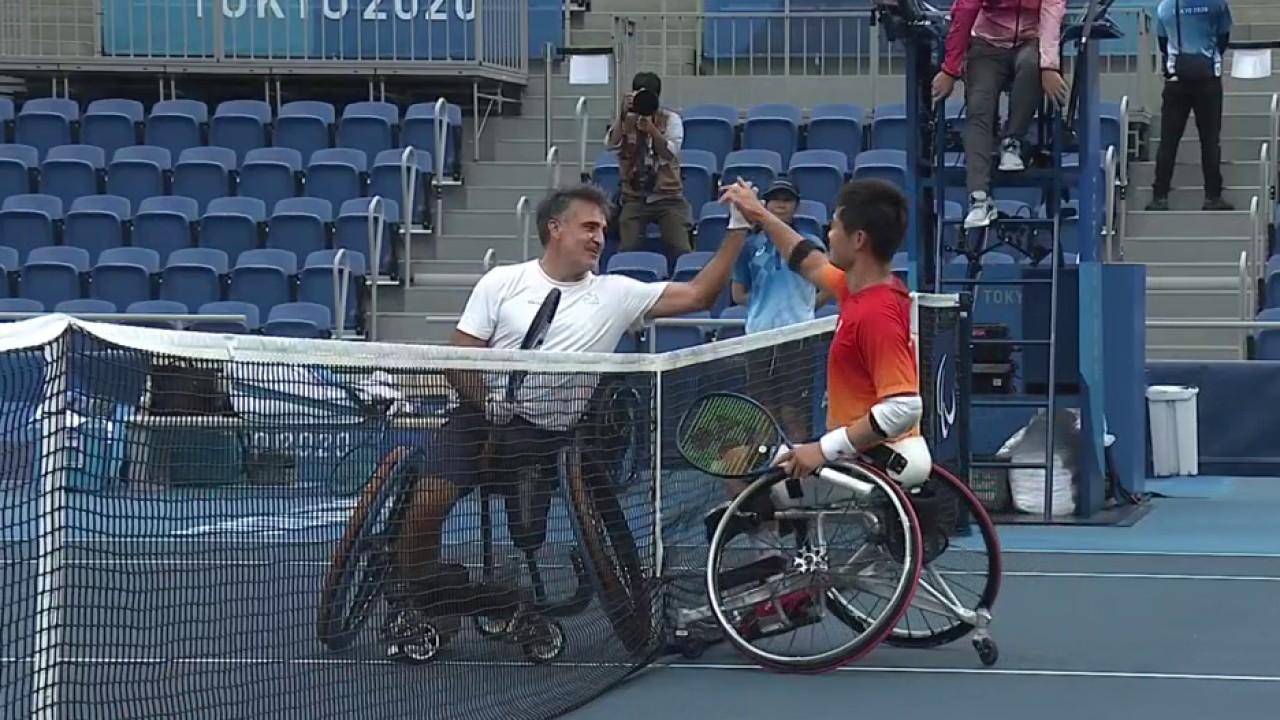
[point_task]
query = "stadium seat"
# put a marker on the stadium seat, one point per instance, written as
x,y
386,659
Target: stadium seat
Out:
x,y
164,224
385,180
85,306
19,305
300,225
240,125
420,132
72,171
639,264
6,118
605,172
305,126
677,337
96,223
228,307
811,217
698,170
889,127
17,163
827,310
233,224
176,125
819,174
54,274
264,278
194,277
351,230
772,126
299,319
690,264
125,275
44,123
888,165
836,126
138,172
369,126
713,222
316,282
710,127
29,221
204,173
9,266
733,312
157,307
1268,341
271,174
111,124
337,175
758,167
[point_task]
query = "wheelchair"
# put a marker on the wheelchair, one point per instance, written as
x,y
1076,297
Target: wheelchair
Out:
x,y
605,562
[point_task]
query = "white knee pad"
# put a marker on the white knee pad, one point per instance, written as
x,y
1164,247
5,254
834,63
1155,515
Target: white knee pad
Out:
x,y
919,461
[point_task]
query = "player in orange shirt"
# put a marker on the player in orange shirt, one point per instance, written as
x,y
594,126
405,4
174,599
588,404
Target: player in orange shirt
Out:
x,y
874,404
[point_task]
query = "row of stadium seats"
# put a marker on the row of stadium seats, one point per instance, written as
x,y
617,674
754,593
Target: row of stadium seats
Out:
x,y
241,125
294,319
139,172
168,223
189,277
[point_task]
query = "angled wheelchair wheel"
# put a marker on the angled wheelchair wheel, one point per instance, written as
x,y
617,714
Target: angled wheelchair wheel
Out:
x,y
364,555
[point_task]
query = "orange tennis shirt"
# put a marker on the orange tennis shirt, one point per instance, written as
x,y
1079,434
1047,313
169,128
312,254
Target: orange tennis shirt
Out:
x,y
872,356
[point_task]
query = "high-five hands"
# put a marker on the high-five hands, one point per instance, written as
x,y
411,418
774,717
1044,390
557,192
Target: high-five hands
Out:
x,y
745,208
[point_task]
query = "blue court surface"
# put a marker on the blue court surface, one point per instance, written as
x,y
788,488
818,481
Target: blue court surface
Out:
x,y
208,611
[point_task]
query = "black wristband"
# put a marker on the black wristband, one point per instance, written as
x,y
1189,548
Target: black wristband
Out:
x,y
800,252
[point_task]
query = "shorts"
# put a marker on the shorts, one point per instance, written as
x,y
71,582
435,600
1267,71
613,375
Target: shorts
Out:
x,y
469,451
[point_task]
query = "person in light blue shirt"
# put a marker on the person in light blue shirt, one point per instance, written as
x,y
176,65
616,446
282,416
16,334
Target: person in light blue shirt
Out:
x,y
1193,37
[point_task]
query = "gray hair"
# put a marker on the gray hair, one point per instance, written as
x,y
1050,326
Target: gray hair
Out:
x,y
557,202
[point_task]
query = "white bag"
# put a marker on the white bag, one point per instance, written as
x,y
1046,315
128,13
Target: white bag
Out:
x,y
1027,446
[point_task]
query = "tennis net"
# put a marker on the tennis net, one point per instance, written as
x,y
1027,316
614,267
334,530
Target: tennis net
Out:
x,y
210,526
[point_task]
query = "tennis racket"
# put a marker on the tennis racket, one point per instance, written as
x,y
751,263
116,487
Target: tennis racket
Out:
x,y
729,435
534,337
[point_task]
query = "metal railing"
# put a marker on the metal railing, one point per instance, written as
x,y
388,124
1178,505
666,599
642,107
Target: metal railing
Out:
x,y
376,223
584,122
1275,148
553,167
1109,218
524,223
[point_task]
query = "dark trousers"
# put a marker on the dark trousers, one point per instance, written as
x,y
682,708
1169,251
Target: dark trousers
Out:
x,y
672,215
988,70
1181,98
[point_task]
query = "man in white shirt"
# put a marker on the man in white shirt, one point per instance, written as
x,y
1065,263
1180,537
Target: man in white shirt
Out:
x,y
521,460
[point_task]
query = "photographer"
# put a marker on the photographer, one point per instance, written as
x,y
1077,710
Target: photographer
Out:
x,y
648,138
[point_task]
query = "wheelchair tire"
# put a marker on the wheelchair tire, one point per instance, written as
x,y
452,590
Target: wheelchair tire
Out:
x,y
349,591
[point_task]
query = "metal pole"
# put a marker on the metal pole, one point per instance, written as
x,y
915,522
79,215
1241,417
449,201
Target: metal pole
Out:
x,y
546,101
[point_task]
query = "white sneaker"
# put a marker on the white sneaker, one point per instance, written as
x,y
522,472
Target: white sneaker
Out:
x,y
1011,156
982,211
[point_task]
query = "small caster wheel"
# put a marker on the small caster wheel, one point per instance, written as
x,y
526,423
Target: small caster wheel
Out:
x,y
692,649
491,627
411,638
545,642
988,653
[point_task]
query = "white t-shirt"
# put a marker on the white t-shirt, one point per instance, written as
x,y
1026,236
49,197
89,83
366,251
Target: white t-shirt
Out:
x,y
592,316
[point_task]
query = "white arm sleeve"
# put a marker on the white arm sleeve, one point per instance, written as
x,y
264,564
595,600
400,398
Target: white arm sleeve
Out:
x,y
897,415
480,317
675,132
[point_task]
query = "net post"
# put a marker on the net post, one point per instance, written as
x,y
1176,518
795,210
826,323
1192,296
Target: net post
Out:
x,y
658,551
50,531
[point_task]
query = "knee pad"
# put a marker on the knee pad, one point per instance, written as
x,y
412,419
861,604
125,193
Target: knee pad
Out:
x,y
918,458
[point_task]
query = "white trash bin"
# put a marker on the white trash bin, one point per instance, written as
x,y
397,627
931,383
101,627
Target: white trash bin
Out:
x,y
1175,448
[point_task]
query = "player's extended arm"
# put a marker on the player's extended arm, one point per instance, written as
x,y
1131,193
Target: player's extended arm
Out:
x,y
801,254
701,291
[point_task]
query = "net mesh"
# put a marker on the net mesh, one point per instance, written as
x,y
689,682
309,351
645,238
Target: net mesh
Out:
x,y
224,527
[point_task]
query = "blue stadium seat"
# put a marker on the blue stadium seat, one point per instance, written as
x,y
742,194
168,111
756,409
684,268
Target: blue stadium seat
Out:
x,y
20,305
264,278
138,172
639,264
228,307
698,170
819,174
125,275
1268,341
176,125
17,163
733,312
54,274
204,173
29,221
96,223
111,124
85,306
271,174
337,175
605,172
1271,298
233,224
889,127
369,126
72,171
194,277
44,123
811,217
156,307
888,165
668,337
240,125
299,319
9,266
164,224
773,126
827,310
755,166
690,264
305,126
710,127
836,126
300,225
713,222
316,282
6,118
420,132
351,230
385,179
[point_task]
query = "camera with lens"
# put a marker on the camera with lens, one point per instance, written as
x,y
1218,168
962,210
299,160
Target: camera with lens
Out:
x,y
645,103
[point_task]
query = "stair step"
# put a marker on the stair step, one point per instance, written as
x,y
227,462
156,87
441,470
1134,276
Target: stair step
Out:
x,y
1223,304
1176,251
1192,352
505,172
1193,223
1189,172
1232,149
1235,124
1192,197
476,223
533,149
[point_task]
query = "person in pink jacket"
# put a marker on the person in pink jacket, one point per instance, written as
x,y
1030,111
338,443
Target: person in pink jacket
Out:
x,y
994,44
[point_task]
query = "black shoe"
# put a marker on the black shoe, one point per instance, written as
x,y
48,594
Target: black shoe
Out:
x,y
1217,203
1159,203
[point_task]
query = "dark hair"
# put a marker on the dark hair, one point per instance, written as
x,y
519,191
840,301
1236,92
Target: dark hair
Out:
x,y
877,208
557,202
646,80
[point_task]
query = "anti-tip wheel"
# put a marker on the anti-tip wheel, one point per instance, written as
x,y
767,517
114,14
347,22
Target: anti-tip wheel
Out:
x,y
547,642
412,638
988,652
